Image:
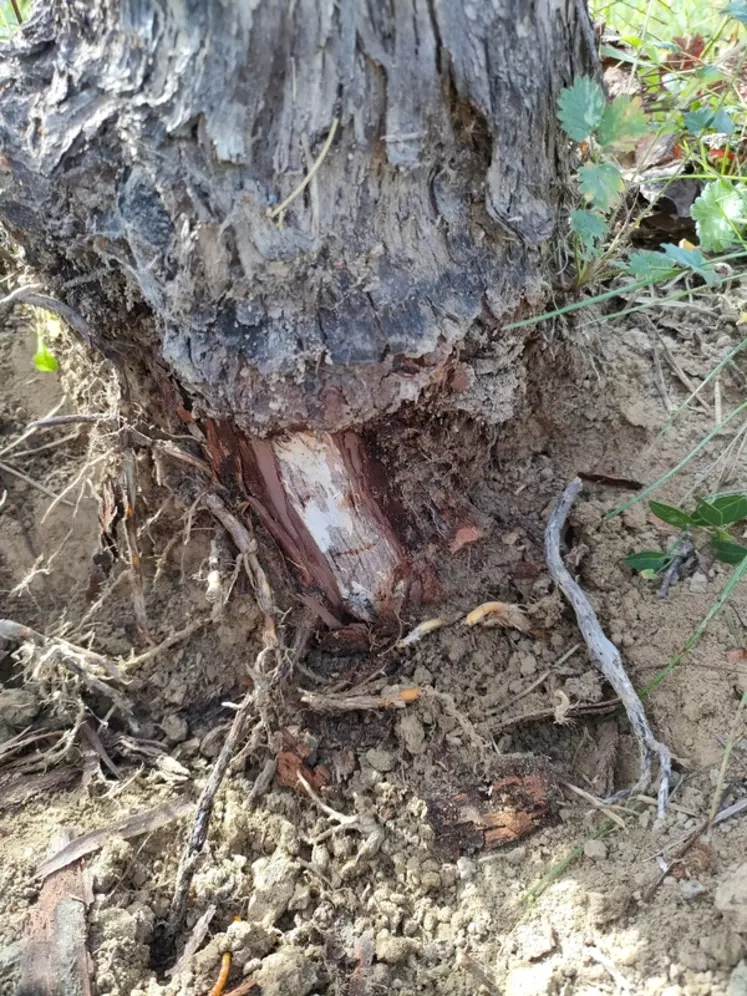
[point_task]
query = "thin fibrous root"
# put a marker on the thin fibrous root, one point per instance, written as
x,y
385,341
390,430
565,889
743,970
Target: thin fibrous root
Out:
x,y
607,656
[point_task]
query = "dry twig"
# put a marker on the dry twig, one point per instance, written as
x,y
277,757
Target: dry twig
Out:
x,y
606,654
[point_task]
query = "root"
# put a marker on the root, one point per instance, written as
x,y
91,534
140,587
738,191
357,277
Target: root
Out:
x,y
607,656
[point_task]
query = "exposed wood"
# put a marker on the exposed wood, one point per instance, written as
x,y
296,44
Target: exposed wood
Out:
x,y
55,961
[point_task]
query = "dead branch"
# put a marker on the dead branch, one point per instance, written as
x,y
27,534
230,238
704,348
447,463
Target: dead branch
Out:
x,y
606,654
205,803
395,699
130,826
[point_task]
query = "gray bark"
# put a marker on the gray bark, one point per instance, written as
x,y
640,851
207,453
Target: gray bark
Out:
x,y
146,143
291,218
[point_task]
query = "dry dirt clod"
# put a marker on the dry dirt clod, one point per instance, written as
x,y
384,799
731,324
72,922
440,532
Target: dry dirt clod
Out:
x,y
286,971
731,899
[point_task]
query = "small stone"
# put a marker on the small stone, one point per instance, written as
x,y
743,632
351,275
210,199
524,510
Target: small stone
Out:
x,y
430,881
596,850
691,889
465,869
698,583
723,341
528,665
175,727
422,676
392,950
273,887
412,732
517,855
380,759
286,971
18,707
725,946
738,981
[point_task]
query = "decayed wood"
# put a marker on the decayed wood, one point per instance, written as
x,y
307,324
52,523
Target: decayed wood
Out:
x,y
55,960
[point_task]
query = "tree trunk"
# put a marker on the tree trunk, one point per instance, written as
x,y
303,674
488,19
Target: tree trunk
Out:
x,y
288,220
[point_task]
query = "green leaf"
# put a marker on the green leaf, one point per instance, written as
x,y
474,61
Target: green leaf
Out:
x,y
737,9
671,515
703,119
728,508
600,183
720,209
709,513
622,124
692,259
44,360
726,550
589,227
649,265
649,560
580,108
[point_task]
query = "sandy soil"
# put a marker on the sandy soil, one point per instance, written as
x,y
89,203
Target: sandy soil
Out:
x,y
389,905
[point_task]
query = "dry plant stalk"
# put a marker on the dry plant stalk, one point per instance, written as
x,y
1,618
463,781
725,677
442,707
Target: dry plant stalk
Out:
x,y
606,655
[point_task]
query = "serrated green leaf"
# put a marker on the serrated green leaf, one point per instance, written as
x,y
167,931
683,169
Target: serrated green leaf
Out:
x,y
737,9
589,227
727,551
729,508
671,515
692,259
648,560
44,360
600,183
703,119
580,108
645,264
623,123
720,212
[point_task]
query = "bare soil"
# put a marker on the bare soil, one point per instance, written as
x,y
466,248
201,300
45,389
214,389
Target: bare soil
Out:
x,y
387,905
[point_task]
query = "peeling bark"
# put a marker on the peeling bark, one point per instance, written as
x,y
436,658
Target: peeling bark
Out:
x,y
148,148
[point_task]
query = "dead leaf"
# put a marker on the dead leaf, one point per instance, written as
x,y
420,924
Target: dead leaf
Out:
x,y
290,766
464,536
515,804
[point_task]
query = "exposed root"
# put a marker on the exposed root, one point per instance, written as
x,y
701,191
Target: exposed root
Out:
x,y
606,655
364,823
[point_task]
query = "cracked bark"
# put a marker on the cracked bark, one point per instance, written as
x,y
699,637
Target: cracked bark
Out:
x,y
146,147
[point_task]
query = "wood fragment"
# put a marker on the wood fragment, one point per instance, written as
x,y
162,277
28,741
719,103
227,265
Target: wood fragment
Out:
x,y
129,826
395,699
198,935
55,961
606,655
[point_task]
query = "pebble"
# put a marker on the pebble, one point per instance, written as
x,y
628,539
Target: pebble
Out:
x,y
517,855
175,727
691,889
698,583
380,759
596,850
392,950
738,981
412,732
528,665
465,869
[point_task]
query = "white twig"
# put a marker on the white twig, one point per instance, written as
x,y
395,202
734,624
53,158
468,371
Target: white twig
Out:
x,y
606,655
